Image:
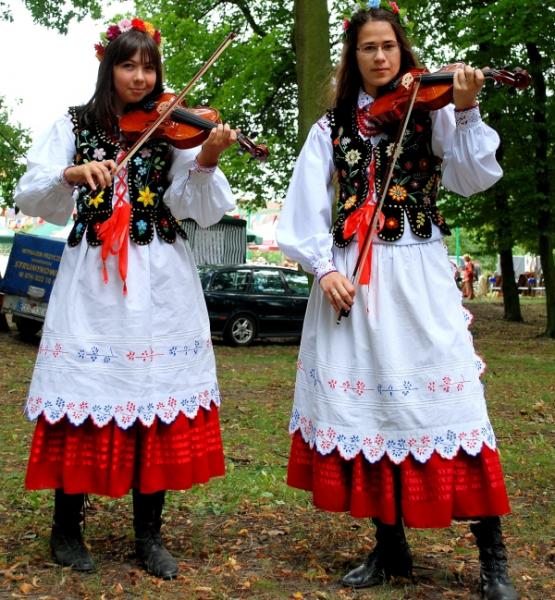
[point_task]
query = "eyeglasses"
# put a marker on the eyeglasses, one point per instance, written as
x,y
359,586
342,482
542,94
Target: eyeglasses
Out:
x,y
372,49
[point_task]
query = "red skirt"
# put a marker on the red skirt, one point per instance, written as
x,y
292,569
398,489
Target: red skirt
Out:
x,y
110,461
428,495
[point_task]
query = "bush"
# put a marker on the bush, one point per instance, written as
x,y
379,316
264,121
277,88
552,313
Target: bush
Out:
x,y
274,257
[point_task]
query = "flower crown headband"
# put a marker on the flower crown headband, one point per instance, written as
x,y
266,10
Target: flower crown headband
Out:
x,y
387,5
116,29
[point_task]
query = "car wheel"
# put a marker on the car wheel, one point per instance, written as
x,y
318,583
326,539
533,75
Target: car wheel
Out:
x,y
240,330
27,328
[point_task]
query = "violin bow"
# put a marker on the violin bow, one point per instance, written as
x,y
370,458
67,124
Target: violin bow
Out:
x,y
171,105
397,147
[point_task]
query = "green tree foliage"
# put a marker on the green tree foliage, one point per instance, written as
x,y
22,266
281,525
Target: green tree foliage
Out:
x,y
520,208
253,84
496,33
14,142
56,13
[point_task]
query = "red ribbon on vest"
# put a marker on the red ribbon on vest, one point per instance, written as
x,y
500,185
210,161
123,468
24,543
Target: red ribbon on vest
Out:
x,y
114,233
359,221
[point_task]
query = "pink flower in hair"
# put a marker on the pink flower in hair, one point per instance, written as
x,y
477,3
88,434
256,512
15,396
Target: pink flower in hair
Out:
x,y
394,7
346,24
125,25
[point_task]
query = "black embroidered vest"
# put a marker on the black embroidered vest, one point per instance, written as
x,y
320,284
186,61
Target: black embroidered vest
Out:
x,y
147,179
414,185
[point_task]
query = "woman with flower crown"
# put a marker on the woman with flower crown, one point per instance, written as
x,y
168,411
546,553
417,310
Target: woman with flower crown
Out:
x,y
389,420
124,387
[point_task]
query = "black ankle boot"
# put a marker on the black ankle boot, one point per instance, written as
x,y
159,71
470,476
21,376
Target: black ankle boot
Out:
x,y
494,578
66,540
147,511
391,557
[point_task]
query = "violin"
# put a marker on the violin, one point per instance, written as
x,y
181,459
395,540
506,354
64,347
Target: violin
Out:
x,y
183,127
435,91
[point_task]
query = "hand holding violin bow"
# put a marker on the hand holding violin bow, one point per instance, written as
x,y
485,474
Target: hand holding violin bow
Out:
x,y
94,174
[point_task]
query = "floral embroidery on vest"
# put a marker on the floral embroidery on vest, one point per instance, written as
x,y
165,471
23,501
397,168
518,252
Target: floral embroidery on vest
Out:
x,y
147,180
414,186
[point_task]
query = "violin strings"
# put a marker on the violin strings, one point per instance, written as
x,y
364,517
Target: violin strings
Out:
x,y
184,116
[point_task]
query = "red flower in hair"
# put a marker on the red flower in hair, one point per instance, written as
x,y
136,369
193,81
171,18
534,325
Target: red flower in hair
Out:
x,y
138,24
157,37
99,50
113,32
346,24
394,7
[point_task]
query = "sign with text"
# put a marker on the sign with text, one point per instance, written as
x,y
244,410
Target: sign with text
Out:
x,y
32,266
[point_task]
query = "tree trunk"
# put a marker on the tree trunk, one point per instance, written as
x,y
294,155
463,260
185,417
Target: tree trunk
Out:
x,y
505,242
545,213
511,300
312,49
546,257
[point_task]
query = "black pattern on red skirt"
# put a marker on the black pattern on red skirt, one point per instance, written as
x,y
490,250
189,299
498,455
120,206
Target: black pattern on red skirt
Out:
x,y
431,494
110,461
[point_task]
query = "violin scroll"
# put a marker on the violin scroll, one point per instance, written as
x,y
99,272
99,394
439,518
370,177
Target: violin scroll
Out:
x,y
258,151
518,78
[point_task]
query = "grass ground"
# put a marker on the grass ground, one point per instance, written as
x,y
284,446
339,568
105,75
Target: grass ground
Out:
x,y
249,536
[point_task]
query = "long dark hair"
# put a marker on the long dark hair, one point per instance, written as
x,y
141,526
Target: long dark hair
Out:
x,y
101,107
348,81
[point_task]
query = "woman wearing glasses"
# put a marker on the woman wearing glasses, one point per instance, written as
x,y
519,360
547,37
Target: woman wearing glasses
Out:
x,y
389,420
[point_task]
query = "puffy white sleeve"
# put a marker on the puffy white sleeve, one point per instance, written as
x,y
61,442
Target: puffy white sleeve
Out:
x,y
196,192
467,146
40,191
303,231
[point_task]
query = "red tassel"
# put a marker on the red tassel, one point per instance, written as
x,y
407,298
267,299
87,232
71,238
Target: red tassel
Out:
x,y
359,221
114,234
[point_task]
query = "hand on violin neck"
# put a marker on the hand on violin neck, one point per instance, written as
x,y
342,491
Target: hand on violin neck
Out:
x,y
467,83
219,139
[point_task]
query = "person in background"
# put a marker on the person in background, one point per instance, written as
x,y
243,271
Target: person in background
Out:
x,y
124,388
483,286
389,420
468,278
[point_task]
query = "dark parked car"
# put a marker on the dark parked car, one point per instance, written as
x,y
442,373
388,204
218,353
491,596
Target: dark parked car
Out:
x,y
249,301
